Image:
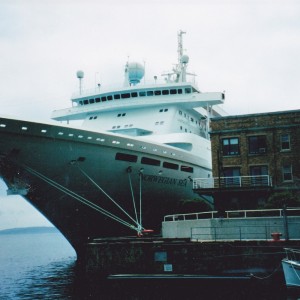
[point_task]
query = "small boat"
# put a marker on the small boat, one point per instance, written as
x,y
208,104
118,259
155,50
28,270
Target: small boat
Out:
x,y
291,268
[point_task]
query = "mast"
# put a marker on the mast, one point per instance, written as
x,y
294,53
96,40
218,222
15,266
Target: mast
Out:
x,y
182,59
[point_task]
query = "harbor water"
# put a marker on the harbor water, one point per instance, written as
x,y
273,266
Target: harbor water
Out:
x,y
43,266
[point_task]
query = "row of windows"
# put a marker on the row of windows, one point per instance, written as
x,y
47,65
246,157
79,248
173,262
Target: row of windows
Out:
x,y
187,90
256,144
287,174
152,162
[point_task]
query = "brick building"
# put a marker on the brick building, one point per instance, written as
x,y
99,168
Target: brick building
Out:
x,y
252,156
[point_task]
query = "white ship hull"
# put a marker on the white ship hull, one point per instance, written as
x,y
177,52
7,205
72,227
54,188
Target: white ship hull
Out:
x,y
73,177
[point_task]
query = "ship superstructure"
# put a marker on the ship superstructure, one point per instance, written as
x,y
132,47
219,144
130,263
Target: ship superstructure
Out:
x,y
131,162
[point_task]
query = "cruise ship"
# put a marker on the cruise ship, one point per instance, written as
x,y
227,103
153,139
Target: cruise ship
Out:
x,y
130,163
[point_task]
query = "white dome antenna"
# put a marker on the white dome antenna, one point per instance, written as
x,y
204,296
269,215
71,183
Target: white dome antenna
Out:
x,y
80,75
134,72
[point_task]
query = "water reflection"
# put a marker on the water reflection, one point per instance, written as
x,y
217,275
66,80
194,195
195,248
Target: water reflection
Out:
x,y
66,280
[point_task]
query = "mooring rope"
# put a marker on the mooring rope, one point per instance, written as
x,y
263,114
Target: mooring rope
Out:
x,y
79,198
133,199
108,196
268,276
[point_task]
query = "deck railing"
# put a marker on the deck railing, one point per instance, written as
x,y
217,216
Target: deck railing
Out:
x,y
232,182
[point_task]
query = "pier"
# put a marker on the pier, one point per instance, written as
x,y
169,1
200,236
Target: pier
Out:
x,y
184,250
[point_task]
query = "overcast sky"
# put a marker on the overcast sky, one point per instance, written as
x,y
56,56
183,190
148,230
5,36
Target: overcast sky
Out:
x,y
249,49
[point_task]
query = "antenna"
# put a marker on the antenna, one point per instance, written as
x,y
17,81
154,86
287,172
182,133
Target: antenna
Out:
x,y
180,48
80,75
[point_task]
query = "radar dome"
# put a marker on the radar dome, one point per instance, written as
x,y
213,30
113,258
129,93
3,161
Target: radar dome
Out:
x,y
184,59
136,72
80,74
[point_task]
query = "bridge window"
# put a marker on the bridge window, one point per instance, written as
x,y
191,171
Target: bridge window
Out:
x,y
117,96
109,97
157,93
173,92
142,94
187,90
103,98
85,102
149,93
165,92
92,101
134,94
97,100
125,96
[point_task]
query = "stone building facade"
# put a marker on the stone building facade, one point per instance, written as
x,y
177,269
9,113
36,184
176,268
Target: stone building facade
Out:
x,y
254,145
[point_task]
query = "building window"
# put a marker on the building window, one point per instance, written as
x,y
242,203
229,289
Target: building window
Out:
x,y
259,175
285,142
287,173
231,177
230,146
257,144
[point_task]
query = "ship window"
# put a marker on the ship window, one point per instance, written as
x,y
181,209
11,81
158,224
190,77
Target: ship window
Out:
x,y
126,157
97,99
125,96
109,97
117,96
179,91
187,90
123,114
86,102
119,115
92,101
165,110
133,95
165,92
95,117
187,169
161,110
150,161
157,93
91,118
173,92
103,98
180,112
142,94
170,166
149,93
80,102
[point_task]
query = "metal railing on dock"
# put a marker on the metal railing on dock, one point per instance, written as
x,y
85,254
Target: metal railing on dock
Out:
x,y
236,233
230,214
232,182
